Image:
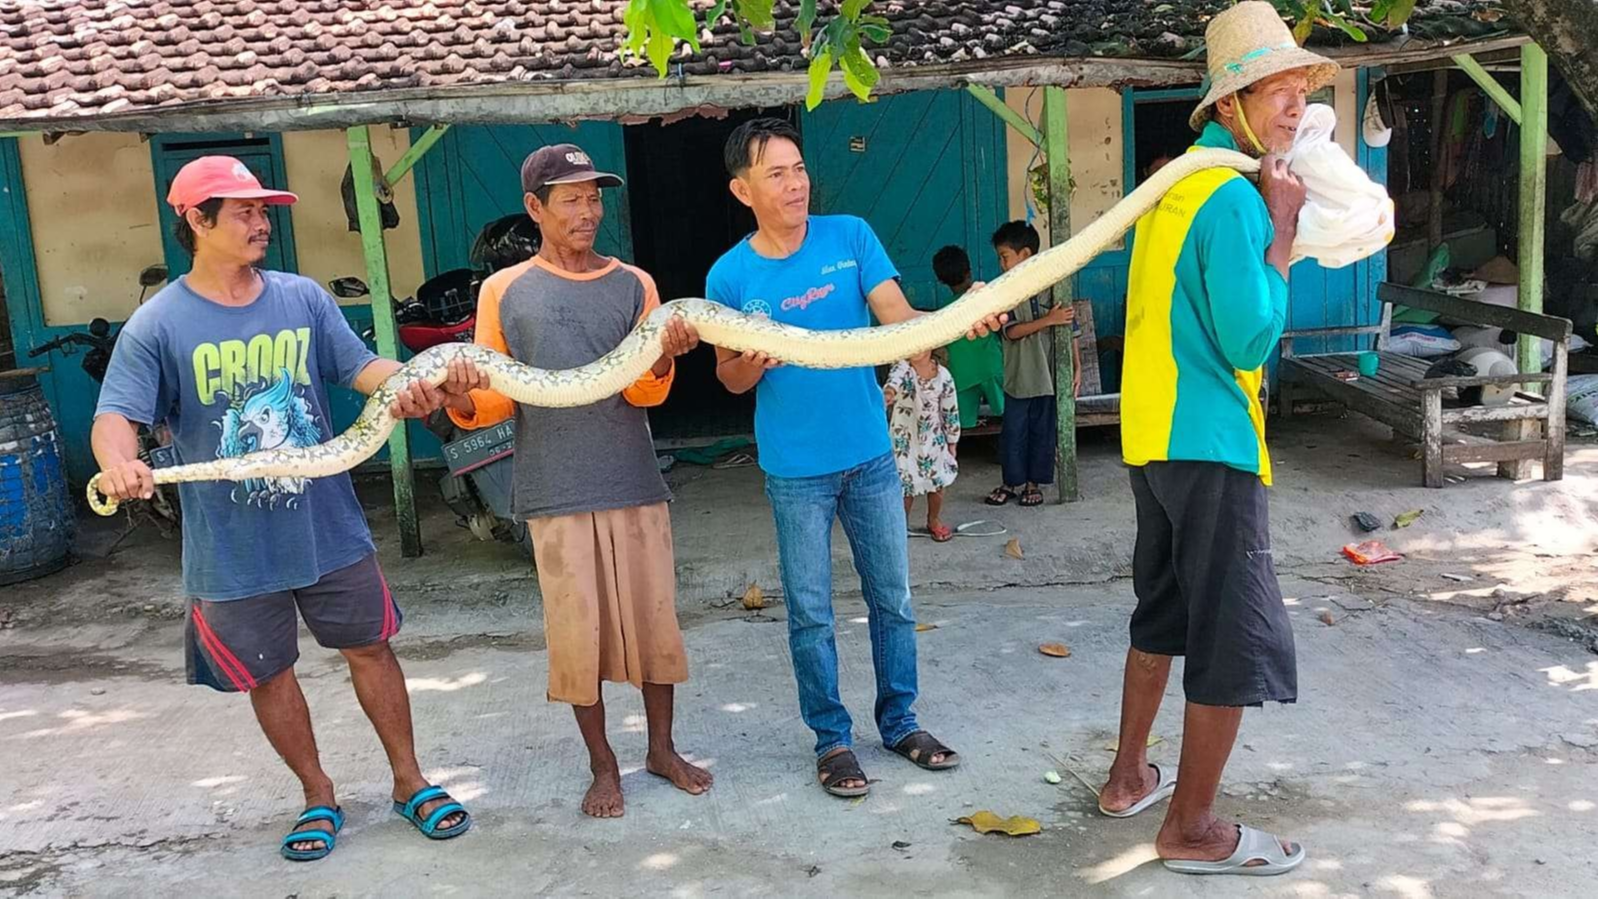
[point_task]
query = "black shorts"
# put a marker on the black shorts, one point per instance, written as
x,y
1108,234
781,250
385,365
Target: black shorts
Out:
x,y
1206,583
236,645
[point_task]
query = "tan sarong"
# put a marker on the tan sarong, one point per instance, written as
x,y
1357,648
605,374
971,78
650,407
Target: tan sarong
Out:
x,y
610,600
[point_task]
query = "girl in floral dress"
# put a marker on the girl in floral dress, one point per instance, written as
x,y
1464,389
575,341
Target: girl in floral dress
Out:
x,y
924,422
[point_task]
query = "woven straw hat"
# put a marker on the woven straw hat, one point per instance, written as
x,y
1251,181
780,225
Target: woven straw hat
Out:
x,y
1248,43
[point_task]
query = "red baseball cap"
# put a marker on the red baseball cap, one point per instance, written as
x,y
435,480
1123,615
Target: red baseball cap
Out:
x,y
220,177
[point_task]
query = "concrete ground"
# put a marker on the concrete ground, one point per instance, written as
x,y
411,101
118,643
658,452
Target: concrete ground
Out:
x,y
1444,743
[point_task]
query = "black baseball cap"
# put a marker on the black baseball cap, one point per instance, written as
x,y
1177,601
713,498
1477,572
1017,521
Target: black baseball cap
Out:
x,y
562,164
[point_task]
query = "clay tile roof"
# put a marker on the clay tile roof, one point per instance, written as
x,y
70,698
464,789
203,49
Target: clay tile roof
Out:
x,y
63,58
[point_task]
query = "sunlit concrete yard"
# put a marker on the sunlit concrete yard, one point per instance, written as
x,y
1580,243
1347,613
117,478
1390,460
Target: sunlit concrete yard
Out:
x,y
1443,745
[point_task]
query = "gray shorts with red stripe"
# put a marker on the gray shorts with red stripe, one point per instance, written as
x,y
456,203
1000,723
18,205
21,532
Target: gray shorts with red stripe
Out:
x,y
236,645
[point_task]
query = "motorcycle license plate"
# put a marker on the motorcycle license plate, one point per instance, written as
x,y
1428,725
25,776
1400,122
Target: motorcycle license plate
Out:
x,y
480,448
163,457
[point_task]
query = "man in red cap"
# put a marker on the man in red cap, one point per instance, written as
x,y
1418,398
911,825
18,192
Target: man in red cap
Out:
x,y
236,359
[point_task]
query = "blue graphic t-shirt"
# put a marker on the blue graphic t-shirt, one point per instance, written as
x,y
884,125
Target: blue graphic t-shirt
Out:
x,y
810,422
229,380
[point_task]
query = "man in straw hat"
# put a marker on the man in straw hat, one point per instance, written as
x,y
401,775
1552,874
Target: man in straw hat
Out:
x,y
1206,301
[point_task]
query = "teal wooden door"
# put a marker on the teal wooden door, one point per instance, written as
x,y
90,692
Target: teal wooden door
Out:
x,y
263,156
925,169
473,176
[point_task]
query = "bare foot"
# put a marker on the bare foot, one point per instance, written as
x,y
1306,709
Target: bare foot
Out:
x,y
683,774
1122,792
1211,843
603,799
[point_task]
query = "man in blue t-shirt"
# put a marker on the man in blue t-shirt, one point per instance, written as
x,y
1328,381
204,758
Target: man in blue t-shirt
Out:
x,y
824,442
236,359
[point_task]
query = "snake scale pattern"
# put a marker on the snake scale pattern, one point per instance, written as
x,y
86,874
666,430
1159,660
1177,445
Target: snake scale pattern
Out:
x,y
717,325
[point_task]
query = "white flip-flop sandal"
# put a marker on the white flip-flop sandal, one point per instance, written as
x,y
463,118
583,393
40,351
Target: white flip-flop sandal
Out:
x,y
1164,786
1252,846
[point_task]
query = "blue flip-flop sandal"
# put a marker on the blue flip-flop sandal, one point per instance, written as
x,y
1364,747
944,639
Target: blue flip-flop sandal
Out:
x,y
302,834
410,811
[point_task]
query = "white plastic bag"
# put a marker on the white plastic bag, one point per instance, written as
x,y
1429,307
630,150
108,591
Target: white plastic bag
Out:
x,y
1581,397
1346,215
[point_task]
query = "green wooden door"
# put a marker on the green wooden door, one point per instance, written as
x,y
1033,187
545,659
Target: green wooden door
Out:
x,y
925,169
473,176
264,157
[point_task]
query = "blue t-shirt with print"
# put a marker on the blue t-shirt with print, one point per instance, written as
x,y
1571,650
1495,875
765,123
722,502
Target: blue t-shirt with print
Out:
x,y
229,380
810,422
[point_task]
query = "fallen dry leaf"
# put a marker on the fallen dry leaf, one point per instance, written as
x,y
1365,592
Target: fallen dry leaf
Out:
x,y
1013,548
925,627
1058,650
1326,618
988,822
1406,519
754,600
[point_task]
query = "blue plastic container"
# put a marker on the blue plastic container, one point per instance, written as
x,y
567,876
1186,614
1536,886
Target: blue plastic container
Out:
x,y
37,524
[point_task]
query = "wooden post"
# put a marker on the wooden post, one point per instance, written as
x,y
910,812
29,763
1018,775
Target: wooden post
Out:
x,y
1434,212
1530,222
1431,437
998,107
376,252
1533,191
414,154
1057,151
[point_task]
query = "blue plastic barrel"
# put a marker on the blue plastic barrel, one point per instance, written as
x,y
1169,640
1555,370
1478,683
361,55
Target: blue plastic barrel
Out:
x,y
36,516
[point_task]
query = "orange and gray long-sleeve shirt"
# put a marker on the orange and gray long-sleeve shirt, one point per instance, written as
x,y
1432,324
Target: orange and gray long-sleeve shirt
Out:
x,y
591,458
1204,310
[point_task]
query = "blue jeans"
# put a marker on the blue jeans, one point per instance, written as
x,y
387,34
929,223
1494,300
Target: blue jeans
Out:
x,y
1028,435
869,500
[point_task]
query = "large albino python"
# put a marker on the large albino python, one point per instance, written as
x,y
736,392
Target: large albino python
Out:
x,y
717,325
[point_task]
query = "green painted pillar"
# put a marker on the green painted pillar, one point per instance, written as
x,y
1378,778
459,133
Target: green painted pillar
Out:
x,y
376,252
1056,151
1533,191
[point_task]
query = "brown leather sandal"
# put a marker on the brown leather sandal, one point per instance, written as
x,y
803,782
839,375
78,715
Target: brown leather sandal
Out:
x,y
921,746
838,767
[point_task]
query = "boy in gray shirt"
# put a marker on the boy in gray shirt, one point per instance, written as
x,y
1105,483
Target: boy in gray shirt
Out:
x,y
1030,414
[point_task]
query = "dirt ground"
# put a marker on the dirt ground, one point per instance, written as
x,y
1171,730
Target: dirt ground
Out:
x,y
1444,742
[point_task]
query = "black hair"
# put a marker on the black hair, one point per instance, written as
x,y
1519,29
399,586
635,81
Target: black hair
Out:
x,y
1018,236
184,234
748,141
543,194
952,266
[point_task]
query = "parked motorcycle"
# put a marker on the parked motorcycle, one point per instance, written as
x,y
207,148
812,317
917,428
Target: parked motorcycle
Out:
x,y
155,444
477,486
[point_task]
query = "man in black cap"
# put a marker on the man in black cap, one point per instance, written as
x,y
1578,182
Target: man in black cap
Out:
x,y
586,479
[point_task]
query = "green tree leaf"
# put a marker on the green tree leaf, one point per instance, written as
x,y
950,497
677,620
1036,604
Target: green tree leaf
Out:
x,y
820,67
805,23
757,14
859,72
851,9
1301,31
1348,28
1399,13
655,26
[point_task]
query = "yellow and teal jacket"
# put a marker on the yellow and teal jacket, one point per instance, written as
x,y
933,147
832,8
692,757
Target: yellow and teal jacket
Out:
x,y
1204,311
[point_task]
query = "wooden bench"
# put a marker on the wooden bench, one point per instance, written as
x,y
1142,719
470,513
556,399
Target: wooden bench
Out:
x,y
1402,397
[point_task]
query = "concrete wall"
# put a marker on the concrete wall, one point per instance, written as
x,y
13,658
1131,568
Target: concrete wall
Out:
x,y
1093,131
92,207
96,223
314,162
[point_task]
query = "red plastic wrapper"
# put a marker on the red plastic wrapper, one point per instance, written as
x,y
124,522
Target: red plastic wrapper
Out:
x,y
1371,552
